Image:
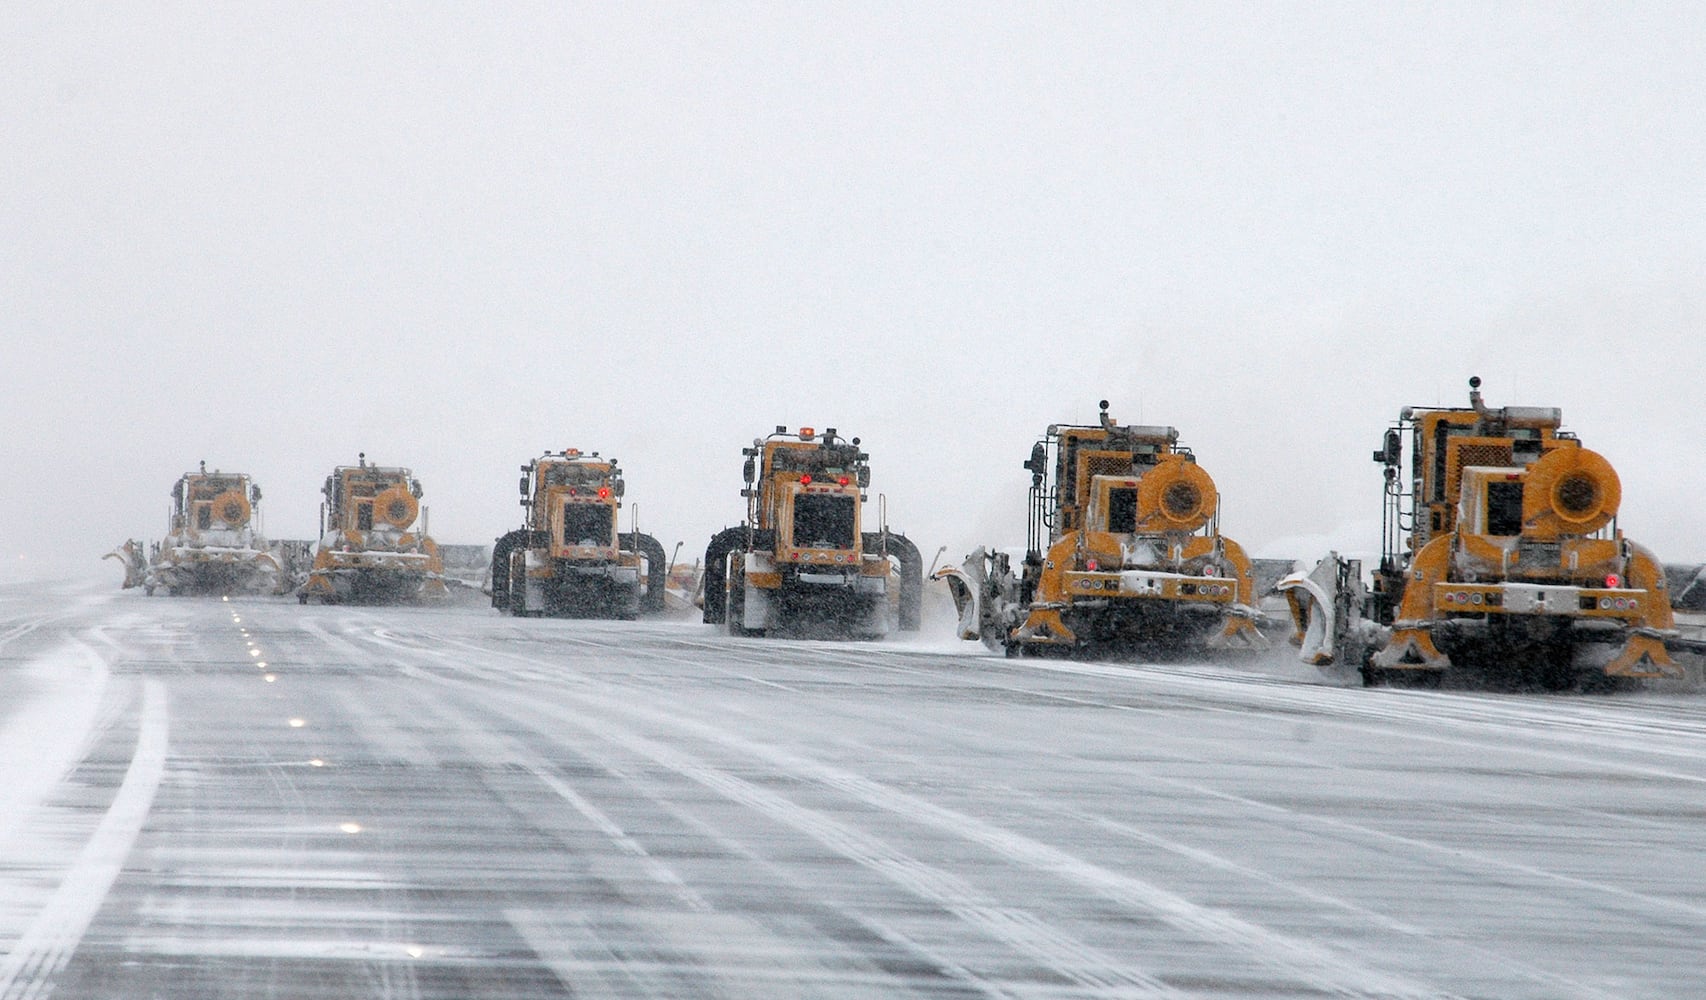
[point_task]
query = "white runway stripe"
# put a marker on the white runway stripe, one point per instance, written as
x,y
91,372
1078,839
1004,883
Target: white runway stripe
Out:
x,y
27,972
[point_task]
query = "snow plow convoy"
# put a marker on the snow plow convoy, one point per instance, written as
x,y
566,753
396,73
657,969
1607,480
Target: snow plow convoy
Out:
x,y
1123,554
1501,564
801,563
569,559
369,551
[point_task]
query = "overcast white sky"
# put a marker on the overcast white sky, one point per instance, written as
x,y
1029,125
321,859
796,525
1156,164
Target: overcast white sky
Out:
x,y
453,236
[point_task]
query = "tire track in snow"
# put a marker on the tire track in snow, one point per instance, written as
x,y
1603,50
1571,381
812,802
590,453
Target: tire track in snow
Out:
x,y
1477,716
483,743
1475,719
19,631
1074,961
1310,962
1019,929
1560,985
1472,717
654,870
1557,985
1071,958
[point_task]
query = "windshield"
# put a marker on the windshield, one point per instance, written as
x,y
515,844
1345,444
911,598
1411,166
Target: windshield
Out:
x,y
564,474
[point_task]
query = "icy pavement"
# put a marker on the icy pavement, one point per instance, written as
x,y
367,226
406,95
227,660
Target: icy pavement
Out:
x,y
253,798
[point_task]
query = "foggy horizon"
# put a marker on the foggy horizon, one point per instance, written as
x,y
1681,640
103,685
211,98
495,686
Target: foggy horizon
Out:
x,y
272,238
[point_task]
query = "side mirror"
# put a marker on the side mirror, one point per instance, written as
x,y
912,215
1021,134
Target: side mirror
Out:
x,y
864,476
1037,464
1390,449
618,487
523,485
747,471
254,494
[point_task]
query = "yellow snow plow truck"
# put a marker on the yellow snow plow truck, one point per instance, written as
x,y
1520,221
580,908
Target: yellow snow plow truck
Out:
x,y
214,544
570,559
1501,563
802,564
1123,555
369,551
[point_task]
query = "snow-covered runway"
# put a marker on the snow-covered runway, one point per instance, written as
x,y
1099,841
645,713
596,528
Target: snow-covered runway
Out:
x,y
253,798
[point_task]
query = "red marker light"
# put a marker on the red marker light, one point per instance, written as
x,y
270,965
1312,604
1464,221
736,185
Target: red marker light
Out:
x,y
574,492
806,480
1092,565
842,481
604,492
1613,580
